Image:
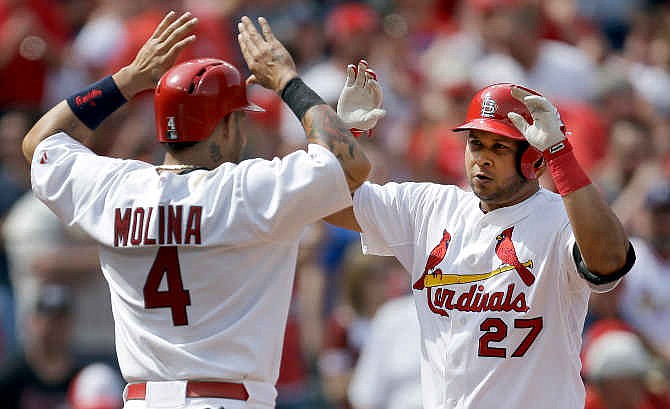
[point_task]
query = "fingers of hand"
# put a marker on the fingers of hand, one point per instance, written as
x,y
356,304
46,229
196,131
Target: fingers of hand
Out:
x,y
181,33
169,18
179,45
351,75
247,46
174,25
376,90
267,31
376,114
249,39
249,29
372,86
538,104
360,79
518,121
519,93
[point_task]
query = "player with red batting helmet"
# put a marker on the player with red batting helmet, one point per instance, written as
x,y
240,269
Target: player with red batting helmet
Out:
x,y
192,97
488,112
501,274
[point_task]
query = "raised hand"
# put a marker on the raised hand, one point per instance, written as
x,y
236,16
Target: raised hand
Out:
x,y
270,63
547,128
160,52
359,105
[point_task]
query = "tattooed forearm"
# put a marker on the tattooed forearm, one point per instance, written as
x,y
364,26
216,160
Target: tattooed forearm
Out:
x,y
323,127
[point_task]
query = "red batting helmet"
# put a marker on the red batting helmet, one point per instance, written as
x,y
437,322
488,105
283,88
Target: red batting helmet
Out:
x,y
192,98
488,112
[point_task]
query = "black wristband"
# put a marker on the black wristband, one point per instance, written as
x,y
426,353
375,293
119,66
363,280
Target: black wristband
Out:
x,y
299,97
95,103
599,279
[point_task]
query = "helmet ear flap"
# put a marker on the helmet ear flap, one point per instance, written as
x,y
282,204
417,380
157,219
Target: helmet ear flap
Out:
x,y
531,161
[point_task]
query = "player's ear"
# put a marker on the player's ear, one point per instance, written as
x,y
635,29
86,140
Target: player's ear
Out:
x,y
539,167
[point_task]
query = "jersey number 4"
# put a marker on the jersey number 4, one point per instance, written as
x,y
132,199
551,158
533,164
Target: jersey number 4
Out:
x,y
496,331
175,297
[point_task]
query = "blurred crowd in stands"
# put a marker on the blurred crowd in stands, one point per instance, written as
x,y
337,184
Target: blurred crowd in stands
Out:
x,y
352,336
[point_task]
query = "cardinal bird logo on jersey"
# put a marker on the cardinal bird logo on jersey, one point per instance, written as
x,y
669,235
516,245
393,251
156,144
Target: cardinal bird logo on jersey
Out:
x,y
436,256
443,296
506,252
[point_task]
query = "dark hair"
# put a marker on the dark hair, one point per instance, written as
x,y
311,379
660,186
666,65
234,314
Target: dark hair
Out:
x,y
179,146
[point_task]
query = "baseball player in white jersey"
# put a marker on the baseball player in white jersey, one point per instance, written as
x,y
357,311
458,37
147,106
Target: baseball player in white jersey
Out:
x,y
501,275
199,252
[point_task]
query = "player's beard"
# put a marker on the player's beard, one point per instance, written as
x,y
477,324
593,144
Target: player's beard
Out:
x,y
503,195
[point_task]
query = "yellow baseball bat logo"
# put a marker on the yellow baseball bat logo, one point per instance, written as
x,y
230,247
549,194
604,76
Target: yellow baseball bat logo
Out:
x,y
436,280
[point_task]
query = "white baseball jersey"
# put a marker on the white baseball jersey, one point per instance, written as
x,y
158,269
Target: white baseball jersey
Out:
x,y
200,266
500,302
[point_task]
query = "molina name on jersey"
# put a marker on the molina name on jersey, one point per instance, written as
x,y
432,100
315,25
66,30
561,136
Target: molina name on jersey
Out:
x,y
175,225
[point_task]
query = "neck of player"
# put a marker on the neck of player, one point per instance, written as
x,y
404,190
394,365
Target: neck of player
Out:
x,y
525,189
225,144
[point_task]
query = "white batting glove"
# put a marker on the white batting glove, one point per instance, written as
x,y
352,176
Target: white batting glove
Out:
x,y
546,130
359,105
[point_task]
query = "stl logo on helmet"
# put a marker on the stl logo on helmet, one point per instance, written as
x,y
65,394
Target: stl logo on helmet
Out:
x,y
172,128
446,296
489,107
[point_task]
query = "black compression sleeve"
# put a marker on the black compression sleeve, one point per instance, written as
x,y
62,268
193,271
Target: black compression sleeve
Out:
x,y
299,97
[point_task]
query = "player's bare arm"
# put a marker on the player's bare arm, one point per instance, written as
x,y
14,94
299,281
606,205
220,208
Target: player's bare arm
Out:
x,y
272,67
345,219
155,57
600,236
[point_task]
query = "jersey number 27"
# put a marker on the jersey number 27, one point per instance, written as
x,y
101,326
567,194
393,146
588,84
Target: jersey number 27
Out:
x,y
175,297
495,330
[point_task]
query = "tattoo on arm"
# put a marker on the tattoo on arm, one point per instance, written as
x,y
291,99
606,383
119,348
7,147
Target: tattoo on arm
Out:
x,y
324,127
215,152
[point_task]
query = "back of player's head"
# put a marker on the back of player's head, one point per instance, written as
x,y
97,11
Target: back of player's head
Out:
x,y
488,111
192,97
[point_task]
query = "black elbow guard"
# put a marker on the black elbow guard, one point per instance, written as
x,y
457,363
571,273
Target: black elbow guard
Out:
x,y
599,279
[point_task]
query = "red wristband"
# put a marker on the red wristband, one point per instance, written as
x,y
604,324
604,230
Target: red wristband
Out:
x,y
568,175
358,132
